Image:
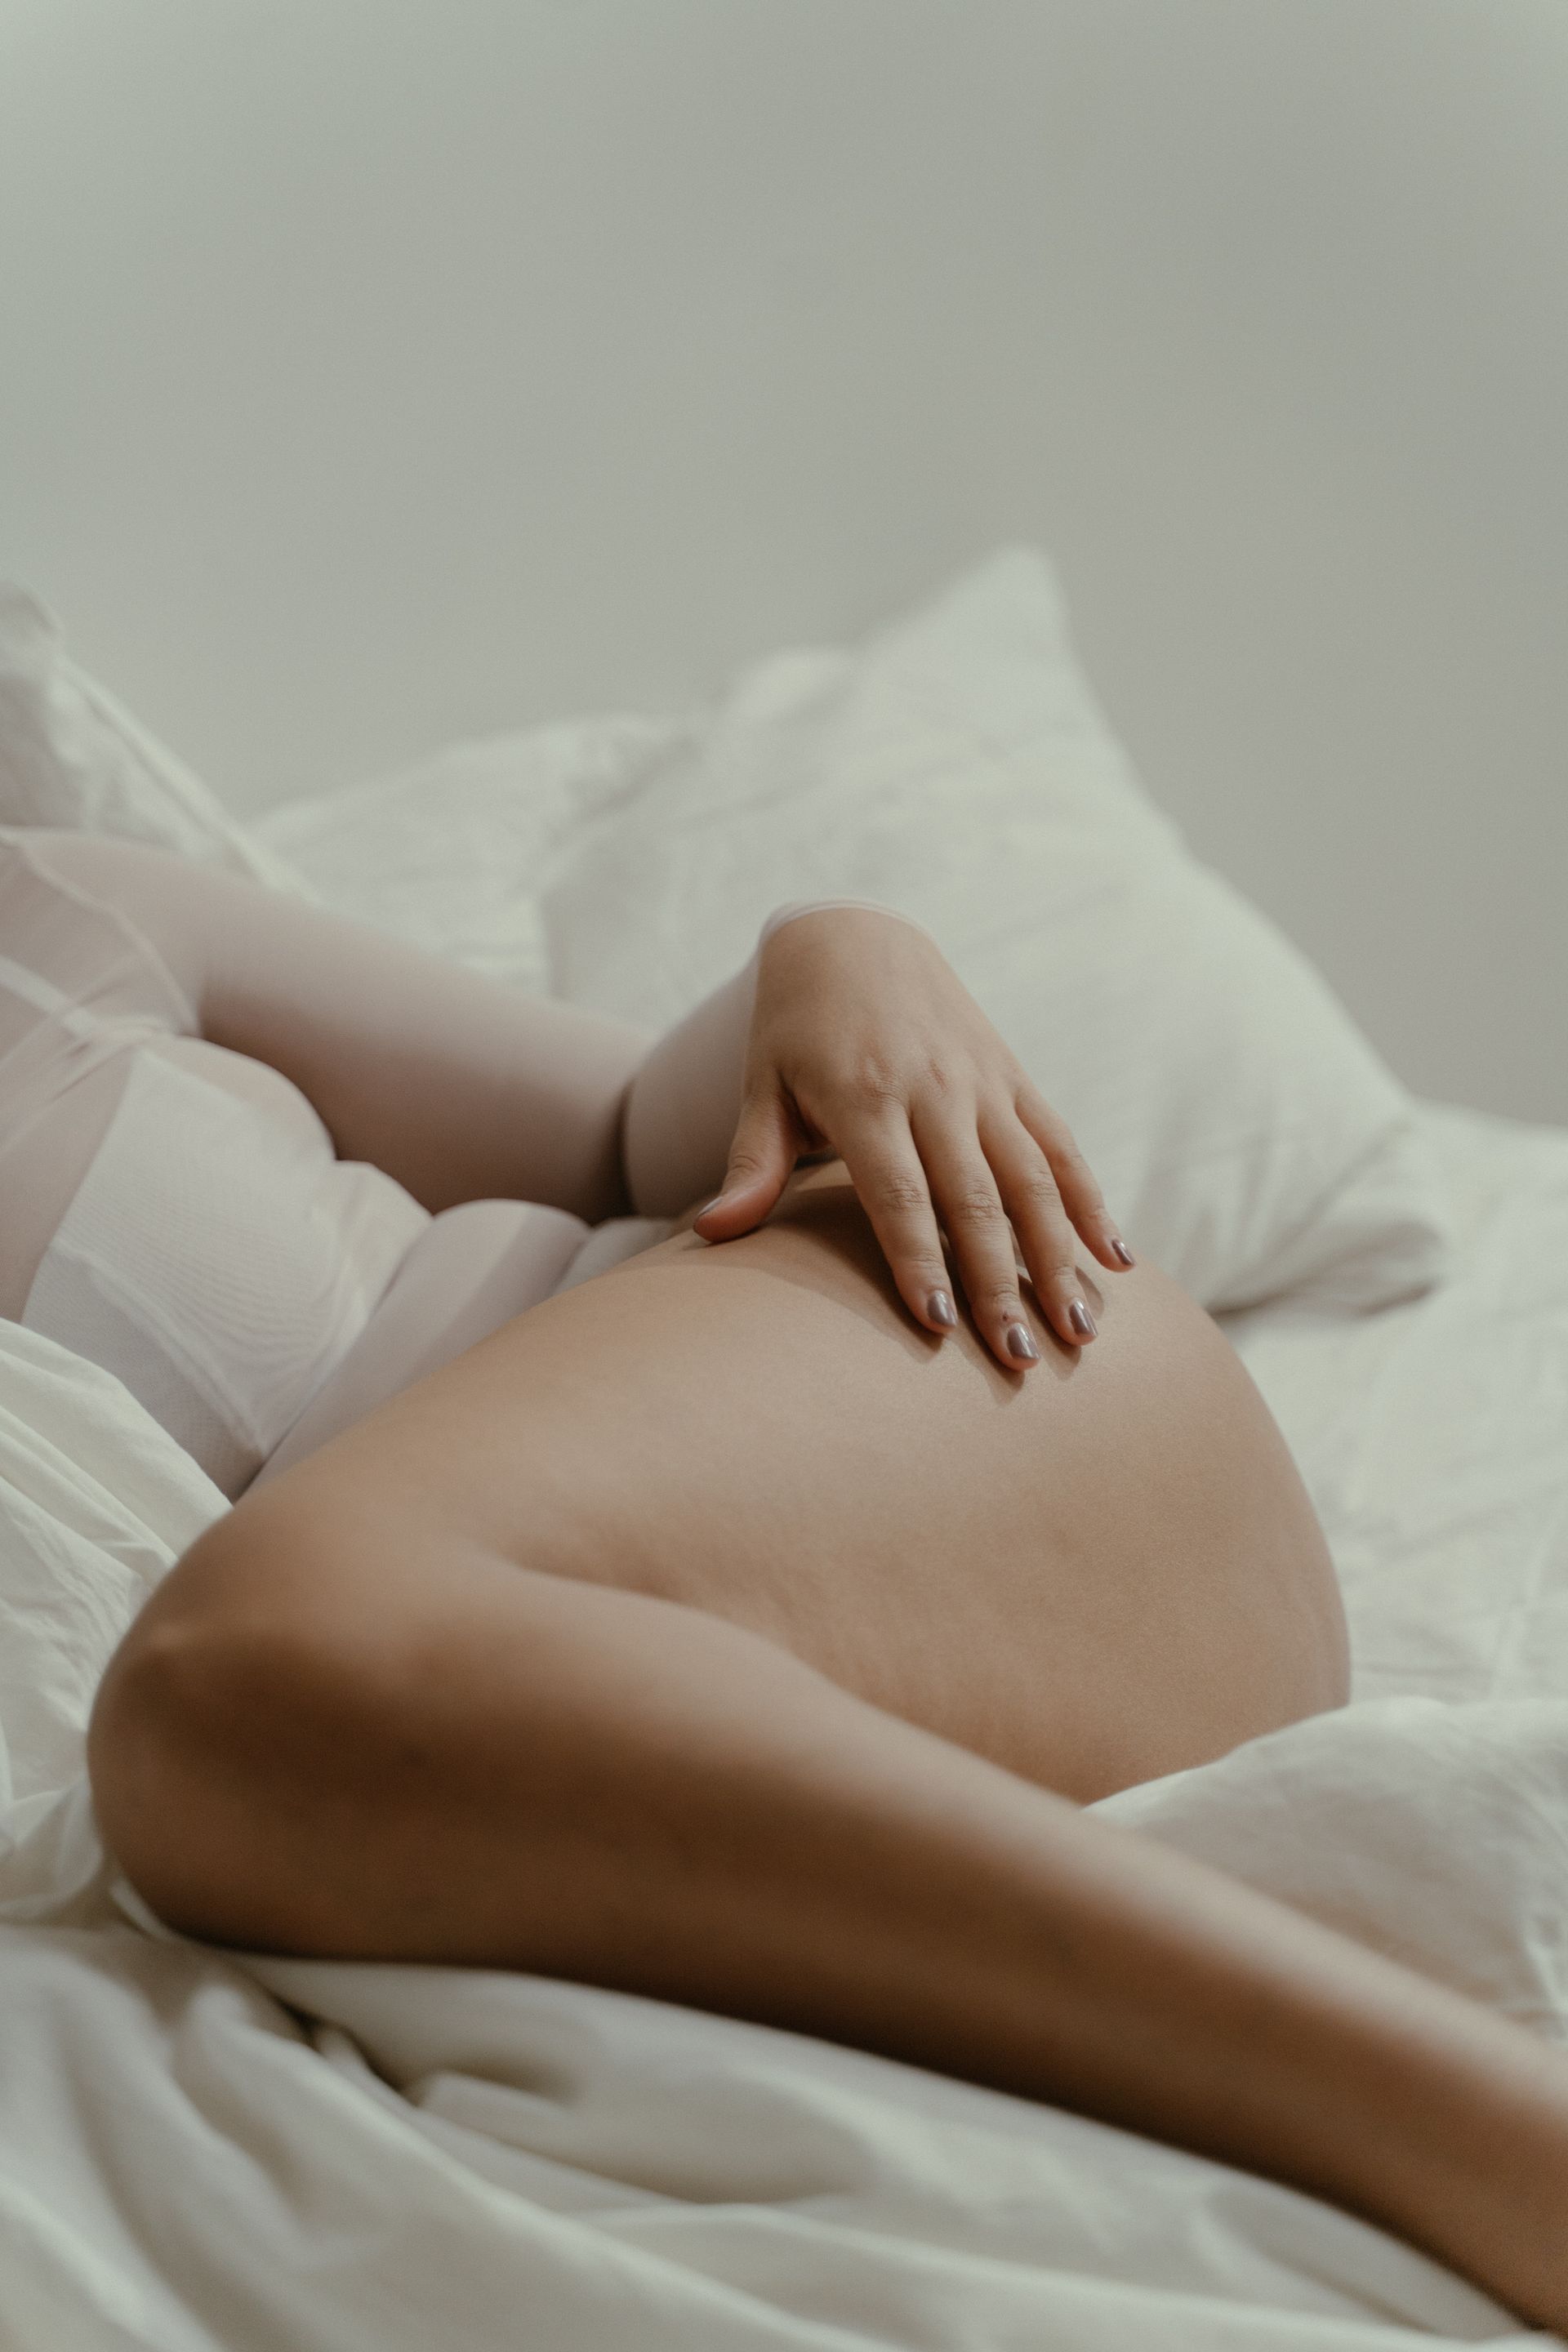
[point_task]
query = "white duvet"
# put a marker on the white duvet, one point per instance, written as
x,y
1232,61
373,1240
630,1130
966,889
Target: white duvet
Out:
x,y
201,2151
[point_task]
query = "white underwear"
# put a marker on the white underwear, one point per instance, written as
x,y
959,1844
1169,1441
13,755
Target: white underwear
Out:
x,y
219,1263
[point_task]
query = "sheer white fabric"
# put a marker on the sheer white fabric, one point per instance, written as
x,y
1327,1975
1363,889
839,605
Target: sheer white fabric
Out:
x,y
176,1212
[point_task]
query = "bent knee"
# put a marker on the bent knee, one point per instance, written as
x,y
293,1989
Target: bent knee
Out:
x,y
239,1735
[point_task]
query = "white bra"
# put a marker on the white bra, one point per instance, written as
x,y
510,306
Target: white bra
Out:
x,y
219,1262
247,1285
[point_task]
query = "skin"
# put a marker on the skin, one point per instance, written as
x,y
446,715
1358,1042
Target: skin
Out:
x,y
859,1036
779,1692
722,1631
863,1037
1064,1567
1045,1524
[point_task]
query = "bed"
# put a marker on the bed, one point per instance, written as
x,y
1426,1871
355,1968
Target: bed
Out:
x,y
203,2149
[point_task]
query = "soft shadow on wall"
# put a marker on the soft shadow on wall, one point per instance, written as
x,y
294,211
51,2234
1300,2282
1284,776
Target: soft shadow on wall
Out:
x,y
382,373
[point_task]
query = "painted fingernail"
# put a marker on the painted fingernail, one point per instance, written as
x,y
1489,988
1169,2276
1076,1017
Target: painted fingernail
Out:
x,y
1020,1344
713,1204
938,1306
1080,1318
1122,1250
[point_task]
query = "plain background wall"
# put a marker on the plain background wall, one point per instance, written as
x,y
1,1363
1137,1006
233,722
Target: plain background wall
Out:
x,y
378,373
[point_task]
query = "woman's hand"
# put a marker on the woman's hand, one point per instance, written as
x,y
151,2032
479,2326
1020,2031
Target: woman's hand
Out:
x,y
864,1039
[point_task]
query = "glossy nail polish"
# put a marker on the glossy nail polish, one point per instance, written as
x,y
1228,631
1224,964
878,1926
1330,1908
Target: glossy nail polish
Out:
x,y
938,1306
1020,1343
1120,1250
1082,1322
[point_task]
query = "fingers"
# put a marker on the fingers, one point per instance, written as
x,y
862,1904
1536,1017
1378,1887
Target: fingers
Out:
x,y
969,1200
879,1152
1029,1193
762,1154
906,1180
1074,1182
985,1177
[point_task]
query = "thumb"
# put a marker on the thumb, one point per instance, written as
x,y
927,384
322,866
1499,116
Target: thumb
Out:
x,y
762,1154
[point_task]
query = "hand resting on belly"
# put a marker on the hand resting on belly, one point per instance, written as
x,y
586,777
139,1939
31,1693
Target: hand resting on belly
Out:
x,y
1094,1573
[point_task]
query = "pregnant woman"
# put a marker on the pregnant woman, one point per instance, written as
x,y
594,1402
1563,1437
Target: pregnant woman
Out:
x,y
744,1625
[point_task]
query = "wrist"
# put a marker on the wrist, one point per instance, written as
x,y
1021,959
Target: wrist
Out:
x,y
797,906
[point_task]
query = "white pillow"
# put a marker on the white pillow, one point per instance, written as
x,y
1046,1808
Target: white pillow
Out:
x,y
451,853
1433,1831
70,756
957,766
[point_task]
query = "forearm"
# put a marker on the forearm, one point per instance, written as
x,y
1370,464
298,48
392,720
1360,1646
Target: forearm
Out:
x,y
682,1103
456,1085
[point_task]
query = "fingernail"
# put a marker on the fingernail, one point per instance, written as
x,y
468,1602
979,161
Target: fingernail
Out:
x,y
1020,1344
1122,1250
713,1204
938,1306
1080,1318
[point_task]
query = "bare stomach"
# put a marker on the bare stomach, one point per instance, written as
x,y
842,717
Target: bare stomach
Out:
x,y
1098,1571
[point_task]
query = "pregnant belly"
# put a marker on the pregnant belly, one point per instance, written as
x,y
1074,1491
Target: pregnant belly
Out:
x,y
1094,1573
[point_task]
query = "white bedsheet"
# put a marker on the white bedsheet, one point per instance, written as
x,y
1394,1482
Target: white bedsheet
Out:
x,y
201,2151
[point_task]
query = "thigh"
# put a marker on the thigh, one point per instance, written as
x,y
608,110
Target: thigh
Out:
x,y
1094,1572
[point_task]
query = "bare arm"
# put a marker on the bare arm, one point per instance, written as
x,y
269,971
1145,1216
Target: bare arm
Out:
x,y
457,1085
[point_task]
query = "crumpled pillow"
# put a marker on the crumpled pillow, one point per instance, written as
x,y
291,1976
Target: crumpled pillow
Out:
x,y
956,765
70,755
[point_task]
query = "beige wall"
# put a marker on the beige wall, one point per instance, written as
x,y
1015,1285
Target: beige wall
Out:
x,y
374,372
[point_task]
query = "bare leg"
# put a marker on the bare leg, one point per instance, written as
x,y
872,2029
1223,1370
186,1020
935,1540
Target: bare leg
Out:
x,y
343,1736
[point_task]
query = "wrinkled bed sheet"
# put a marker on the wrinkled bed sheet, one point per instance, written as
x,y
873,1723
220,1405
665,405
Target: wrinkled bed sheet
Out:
x,y
200,2149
